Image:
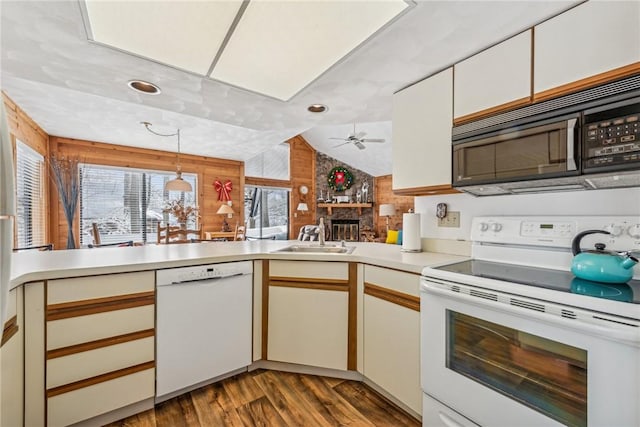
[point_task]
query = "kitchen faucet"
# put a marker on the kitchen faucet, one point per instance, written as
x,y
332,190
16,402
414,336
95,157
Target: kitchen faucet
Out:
x,y
321,231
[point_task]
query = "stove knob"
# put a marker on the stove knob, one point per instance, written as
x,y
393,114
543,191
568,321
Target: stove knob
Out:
x,y
634,231
614,229
496,226
483,226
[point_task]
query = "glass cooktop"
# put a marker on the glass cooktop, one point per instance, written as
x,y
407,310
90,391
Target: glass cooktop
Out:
x,y
557,280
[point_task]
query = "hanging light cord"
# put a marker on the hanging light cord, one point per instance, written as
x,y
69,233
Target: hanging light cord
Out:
x,y
148,125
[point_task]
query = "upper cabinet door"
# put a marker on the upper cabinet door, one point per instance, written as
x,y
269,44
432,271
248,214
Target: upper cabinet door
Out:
x,y
493,80
585,46
422,118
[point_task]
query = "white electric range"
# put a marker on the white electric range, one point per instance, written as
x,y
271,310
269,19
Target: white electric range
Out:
x,y
511,337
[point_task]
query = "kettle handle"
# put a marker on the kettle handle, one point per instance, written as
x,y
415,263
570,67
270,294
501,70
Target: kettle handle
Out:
x,y
575,244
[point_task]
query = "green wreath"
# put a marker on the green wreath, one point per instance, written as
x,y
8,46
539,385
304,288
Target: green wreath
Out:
x,y
339,179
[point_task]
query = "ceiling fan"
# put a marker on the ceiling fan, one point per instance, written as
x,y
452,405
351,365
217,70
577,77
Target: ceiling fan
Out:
x,y
357,139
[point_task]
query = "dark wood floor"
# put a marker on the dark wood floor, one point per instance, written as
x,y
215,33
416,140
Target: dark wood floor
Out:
x,y
274,398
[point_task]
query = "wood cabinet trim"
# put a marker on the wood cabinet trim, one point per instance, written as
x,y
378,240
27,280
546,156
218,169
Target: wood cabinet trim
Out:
x,y
391,268
588,82
308,280
326,285
392,296
431,190
100,379
98,305
265,307
10,329
512,105
352,328
104,342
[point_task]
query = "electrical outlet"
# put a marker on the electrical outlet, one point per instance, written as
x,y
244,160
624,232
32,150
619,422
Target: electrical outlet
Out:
x,y
451,220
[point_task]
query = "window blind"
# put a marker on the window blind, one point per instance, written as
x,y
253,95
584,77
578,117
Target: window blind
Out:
x,y
30,204
127,204
272,164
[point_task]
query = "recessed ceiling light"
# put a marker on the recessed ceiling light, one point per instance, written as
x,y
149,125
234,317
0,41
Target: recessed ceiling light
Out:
x,y
317,108
144,87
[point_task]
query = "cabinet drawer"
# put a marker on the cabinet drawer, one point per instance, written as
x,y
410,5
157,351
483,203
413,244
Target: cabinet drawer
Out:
x,y
309,270
91,287
86,364
397,280
81,329
91,401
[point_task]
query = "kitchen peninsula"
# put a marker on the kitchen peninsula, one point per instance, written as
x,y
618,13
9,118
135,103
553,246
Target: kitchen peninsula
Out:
x,y
89,327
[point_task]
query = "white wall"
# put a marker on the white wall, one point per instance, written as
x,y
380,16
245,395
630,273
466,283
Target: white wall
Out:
x,y
593,202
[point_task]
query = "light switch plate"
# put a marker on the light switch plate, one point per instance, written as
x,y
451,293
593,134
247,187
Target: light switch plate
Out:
x,y
451,220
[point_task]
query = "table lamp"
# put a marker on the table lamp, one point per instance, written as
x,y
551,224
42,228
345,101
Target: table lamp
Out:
x,y
228,211
388,210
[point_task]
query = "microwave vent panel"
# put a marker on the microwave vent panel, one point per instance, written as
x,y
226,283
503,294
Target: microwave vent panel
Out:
x,y
615,181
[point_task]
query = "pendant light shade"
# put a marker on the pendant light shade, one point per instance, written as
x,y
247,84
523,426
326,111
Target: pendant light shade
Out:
x,y
178,183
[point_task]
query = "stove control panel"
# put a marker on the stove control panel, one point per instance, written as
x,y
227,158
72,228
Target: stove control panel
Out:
x,y
558,231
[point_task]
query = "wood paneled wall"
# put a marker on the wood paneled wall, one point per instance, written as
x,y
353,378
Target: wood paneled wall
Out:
x,y
22,127
384,194
208,170
303,172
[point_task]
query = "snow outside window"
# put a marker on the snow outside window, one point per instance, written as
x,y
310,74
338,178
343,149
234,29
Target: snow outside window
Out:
x,y
127,204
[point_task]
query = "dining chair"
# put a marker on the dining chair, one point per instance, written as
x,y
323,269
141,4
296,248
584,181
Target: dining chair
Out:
x,y
97,240
175,234
240,233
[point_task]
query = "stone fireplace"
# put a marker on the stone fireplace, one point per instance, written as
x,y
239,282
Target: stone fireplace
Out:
x,y
345,229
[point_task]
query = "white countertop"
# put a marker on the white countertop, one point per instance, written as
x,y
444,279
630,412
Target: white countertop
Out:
x,y
35,266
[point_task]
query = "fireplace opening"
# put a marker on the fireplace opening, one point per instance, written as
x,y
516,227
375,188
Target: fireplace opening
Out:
x,y
345,229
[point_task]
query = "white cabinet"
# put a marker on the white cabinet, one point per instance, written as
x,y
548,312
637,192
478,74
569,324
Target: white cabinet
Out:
x,y
12,363
495,79
422,119
577,47
89,347
308,319
392,333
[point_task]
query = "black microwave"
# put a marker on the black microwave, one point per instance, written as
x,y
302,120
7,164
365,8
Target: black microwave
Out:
x,y
599,137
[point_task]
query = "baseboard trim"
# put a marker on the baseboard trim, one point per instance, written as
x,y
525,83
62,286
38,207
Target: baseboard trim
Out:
x,y
390,398
304,369
118,414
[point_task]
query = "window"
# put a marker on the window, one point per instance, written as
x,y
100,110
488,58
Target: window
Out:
x,y
30,205
272,164
127,204
267,213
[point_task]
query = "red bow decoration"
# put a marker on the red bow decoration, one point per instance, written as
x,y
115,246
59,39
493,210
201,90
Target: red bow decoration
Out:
x,y
224,190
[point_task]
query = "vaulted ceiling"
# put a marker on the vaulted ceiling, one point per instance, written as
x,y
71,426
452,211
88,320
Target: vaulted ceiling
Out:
x,y
76,88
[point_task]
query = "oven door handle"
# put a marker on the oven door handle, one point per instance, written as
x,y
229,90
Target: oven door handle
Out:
x,y
629,335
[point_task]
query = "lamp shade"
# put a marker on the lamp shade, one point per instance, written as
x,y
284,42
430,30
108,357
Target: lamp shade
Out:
x,y
225,210
387,209
303,207
178,184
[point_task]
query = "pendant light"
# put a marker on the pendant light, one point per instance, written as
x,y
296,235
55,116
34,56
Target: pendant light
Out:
x,y
176,184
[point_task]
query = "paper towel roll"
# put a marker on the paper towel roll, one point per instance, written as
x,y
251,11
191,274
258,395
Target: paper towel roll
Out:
x,y
411,240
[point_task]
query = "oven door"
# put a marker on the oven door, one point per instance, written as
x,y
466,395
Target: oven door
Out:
x,y
501,360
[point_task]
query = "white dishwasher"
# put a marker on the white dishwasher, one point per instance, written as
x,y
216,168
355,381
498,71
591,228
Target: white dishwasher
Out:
x,y
204,325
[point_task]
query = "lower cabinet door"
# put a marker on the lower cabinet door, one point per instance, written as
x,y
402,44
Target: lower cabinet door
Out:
x,y
392,349
308,326
83,403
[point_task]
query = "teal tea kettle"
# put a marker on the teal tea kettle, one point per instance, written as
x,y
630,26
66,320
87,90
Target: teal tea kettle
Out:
x,y
600,265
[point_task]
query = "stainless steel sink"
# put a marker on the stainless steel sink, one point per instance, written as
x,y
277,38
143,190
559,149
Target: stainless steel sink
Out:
x,y
326,249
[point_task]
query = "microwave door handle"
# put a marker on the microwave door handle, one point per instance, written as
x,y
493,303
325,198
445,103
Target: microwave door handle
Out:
x,y
571,144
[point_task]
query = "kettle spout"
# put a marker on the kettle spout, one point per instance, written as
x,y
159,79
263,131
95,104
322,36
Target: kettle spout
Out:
x,y
629,262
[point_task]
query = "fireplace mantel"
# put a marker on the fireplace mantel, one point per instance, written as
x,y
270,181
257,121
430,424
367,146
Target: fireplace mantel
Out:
x,y
331,206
